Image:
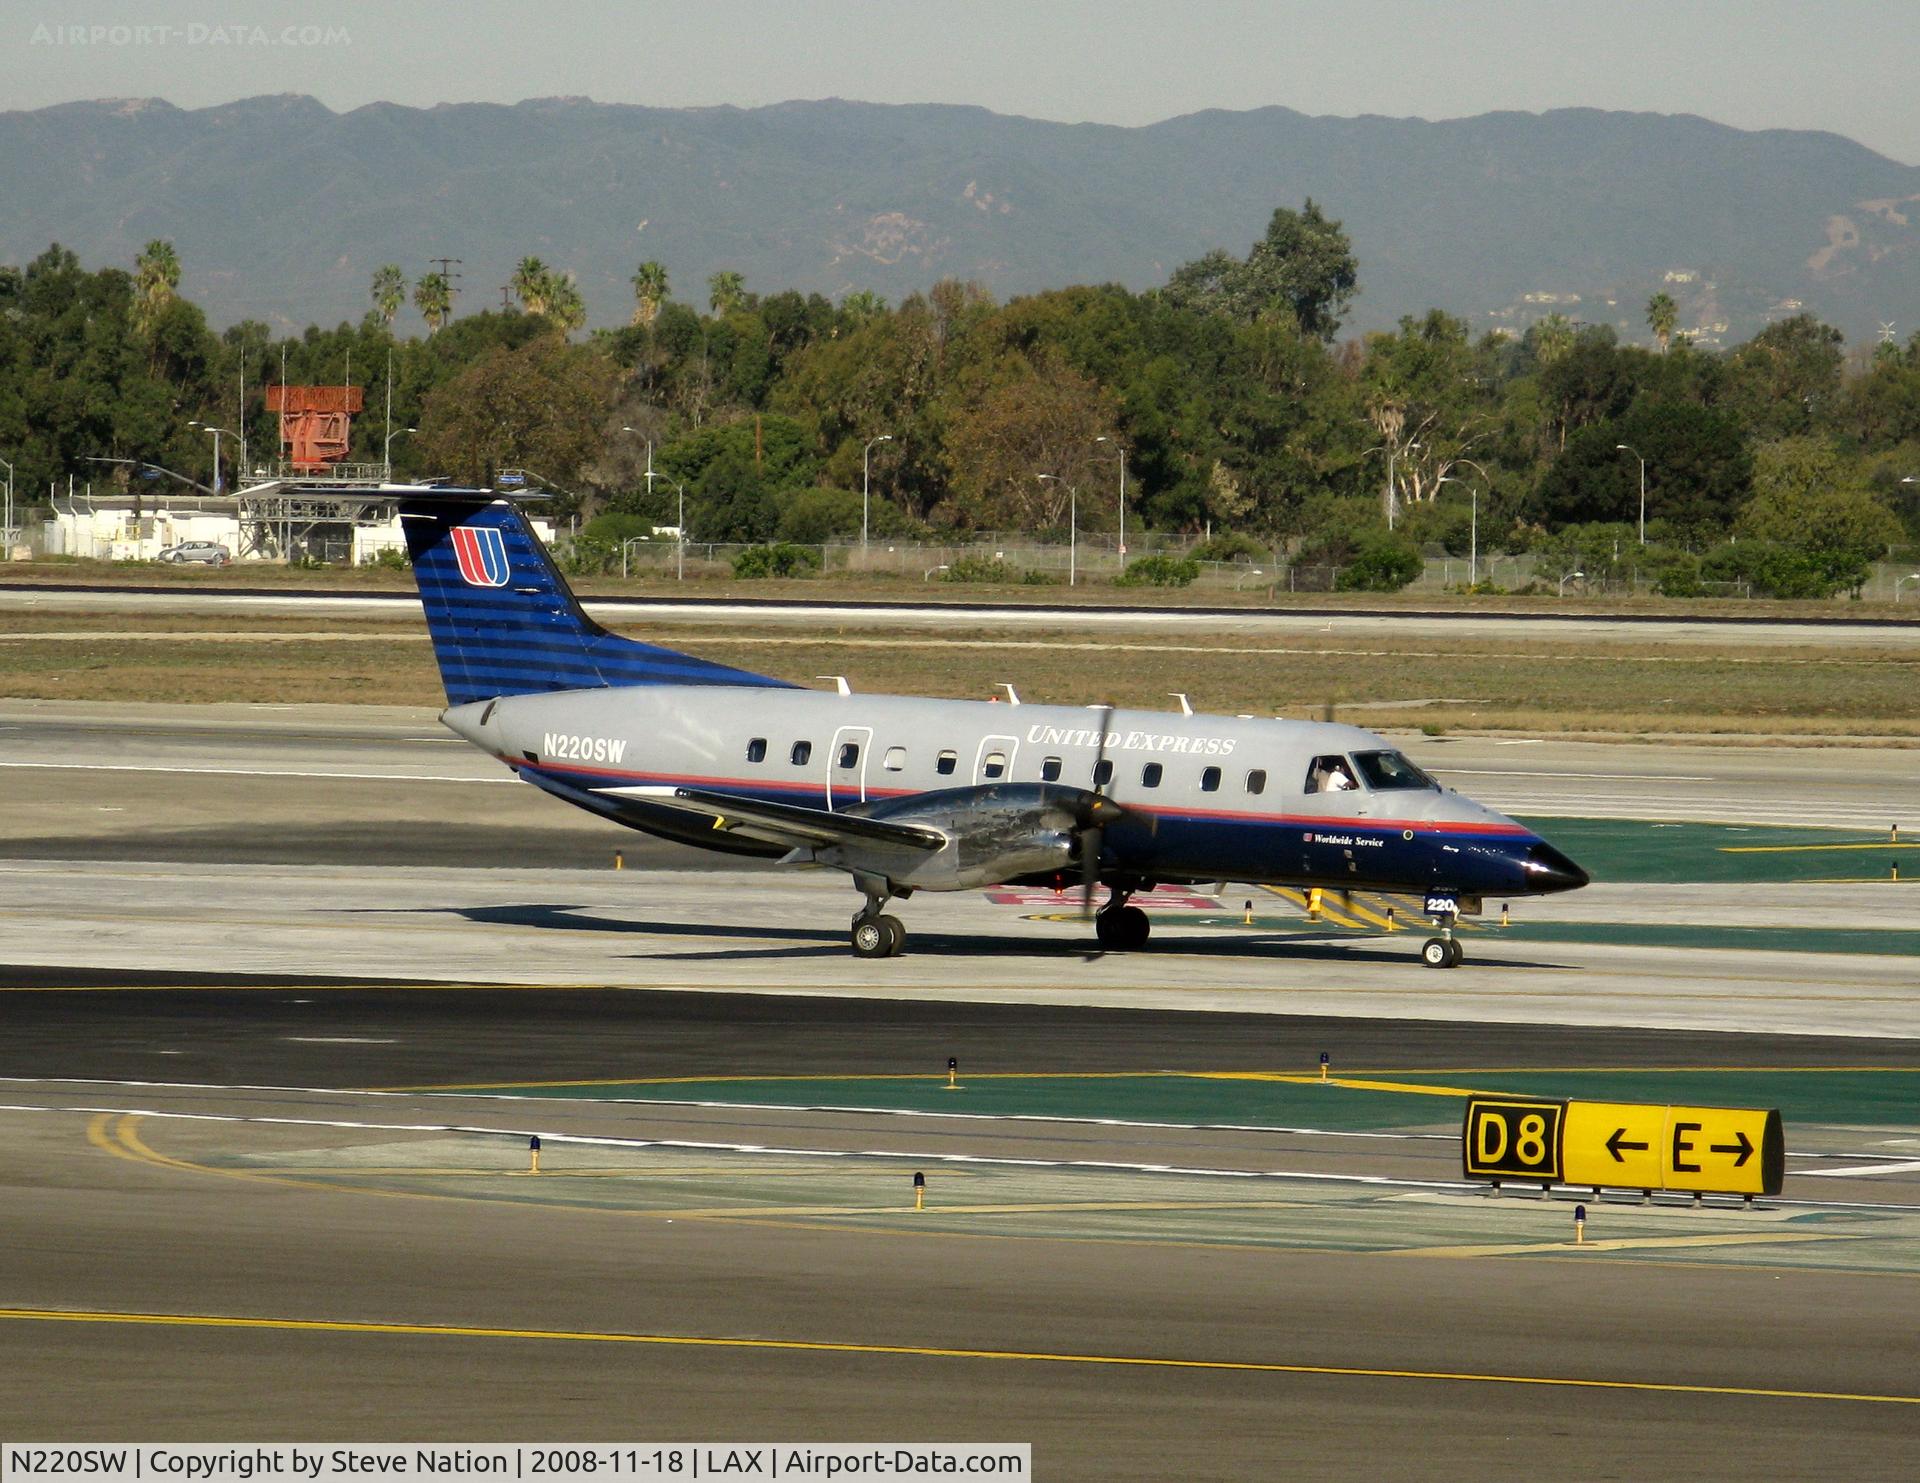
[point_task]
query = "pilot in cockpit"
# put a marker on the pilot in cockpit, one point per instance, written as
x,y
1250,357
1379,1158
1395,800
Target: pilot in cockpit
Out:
x,y
1330,775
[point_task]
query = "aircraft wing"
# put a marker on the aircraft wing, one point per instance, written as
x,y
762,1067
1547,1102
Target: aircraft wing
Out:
x,y
782,823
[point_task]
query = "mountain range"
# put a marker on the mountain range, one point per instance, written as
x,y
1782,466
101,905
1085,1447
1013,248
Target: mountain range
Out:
x,y
280,208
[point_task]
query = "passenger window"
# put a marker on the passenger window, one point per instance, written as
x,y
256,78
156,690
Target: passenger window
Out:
x,y
757,749
1103,772
995,765
1257,781
802,753
946,763
1210,780
849,755
1330,775
1050,770
1150,775
895,760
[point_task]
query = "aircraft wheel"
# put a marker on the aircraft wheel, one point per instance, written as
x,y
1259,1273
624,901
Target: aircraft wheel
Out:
x,y
896,935
1122,929
1437,952
871,939
1459,952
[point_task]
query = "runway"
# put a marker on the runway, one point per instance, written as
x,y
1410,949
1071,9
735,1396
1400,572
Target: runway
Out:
x,y
289,991
1562,625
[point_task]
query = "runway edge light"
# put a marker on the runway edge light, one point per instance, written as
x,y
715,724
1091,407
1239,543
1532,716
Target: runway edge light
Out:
x,y
919,1190
533,1154
953,1075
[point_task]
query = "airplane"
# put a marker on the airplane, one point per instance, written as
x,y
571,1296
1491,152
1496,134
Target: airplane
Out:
x,y
909,794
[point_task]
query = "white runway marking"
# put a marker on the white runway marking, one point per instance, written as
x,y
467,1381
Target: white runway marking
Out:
x,y
1859,1171
254,772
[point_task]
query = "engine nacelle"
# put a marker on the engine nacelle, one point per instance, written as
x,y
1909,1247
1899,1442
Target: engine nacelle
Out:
x,y
994,833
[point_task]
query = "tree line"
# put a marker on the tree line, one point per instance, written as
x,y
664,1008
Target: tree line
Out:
x,y
1229,394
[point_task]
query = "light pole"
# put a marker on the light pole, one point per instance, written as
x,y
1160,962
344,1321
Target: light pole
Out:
x,y
1103,438
1623,448
649,475
680,527
208,427
387,451
866,472
1569,577
1473,537
6,529
1899,582
1393,495
1073,528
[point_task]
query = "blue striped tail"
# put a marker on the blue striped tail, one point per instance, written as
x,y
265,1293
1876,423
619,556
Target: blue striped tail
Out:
x,y
504,621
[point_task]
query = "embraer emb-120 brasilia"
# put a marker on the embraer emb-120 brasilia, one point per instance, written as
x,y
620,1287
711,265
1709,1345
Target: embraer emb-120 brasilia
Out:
x,y
909,794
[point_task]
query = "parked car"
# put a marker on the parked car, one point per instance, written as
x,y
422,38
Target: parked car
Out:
x,y
209,553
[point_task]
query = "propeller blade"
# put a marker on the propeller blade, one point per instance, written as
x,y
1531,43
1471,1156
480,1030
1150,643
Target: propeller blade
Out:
x,y
1093,835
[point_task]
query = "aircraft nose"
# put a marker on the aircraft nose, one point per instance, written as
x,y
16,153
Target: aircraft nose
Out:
x,y
1548,870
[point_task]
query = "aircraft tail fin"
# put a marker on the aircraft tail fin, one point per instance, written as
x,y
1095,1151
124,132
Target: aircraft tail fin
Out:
x,y
504,621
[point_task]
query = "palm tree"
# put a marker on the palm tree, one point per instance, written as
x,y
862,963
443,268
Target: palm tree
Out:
x,y
726,291
531,281
156,274
389,291
1553,338
562,302
433,297
649,293
1662,314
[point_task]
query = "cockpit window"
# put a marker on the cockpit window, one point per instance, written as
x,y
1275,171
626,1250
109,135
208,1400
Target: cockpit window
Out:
x,y
1330,775
1388,770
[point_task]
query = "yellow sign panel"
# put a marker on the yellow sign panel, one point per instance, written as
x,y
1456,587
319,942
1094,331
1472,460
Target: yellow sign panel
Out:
x,y
1513,1138
1625,1145
1617,1143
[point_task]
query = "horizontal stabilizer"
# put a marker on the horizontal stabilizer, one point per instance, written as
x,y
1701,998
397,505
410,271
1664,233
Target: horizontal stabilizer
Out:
x,y
782,823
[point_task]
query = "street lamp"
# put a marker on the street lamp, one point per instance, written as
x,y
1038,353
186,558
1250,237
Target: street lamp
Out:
x,y
1899,582
387,450
1103,438
1473,538
208,427
6,527
1073,527
1569,577
649,475
1393,495
1623,448
680,528
866,472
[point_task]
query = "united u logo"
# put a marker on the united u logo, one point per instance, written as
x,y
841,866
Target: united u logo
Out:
x,y
482,554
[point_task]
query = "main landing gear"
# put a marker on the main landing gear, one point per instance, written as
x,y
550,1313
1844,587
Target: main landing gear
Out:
x,y
875,934
1121,928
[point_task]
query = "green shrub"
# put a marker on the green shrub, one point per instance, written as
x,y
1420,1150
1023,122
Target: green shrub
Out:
x,y
979,569
1380,563
1231,546
391,559
783,559
1159,571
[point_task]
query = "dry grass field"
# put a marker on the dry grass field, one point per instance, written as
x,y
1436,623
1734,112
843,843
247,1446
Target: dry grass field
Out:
x,y
1613,686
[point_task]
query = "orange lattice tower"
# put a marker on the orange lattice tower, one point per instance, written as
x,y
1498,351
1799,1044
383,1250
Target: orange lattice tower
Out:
x,y
316,424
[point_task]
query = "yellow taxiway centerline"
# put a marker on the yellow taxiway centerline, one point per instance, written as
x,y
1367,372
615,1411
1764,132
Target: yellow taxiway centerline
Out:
x,y
910,1351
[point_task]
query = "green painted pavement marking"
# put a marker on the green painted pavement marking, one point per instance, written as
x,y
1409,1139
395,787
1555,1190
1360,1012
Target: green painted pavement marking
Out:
x,y
1803,1095
1895,942
1850,1096
1637,851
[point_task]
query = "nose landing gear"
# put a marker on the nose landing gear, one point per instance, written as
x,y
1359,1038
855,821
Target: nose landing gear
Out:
x,y
1445,950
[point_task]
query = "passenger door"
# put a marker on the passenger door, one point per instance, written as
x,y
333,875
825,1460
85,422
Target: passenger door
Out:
x,y
847,766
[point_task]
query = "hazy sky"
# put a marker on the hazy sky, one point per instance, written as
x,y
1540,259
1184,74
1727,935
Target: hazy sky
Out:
x,y
1843,65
